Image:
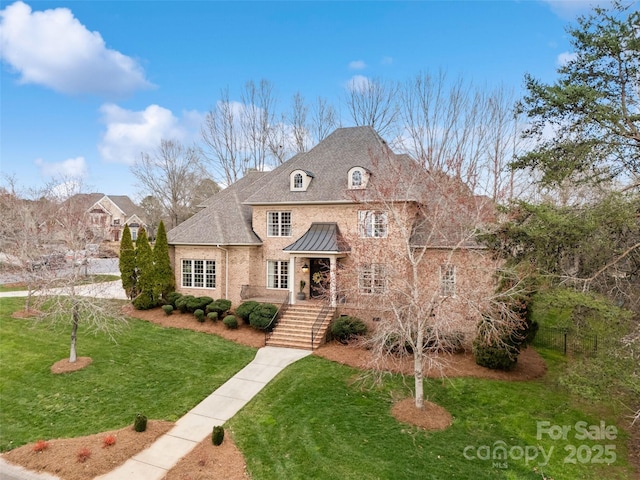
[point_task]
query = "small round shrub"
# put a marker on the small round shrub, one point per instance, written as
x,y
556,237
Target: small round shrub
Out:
x,y
198,303
262,315
199,314
144,301
172,297
495,357
140,423
220,306
181,303
230,321
346,328
217,436
245,309
168,309
213,316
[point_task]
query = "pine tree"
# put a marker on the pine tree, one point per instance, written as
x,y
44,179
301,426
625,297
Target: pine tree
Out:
x,y
164,282
128,264
144,263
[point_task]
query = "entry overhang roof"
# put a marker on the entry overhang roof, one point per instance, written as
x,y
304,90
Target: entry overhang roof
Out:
x,y
321,237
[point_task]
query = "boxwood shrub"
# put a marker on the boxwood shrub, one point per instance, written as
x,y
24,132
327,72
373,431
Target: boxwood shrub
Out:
x,y
261,316
347,328
230,321
245,309
220,306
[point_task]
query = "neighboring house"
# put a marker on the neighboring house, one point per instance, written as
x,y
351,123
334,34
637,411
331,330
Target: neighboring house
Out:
x,y
311,219
108,214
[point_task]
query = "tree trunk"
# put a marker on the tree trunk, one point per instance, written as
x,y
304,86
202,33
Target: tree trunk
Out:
x,y
74,334
417,369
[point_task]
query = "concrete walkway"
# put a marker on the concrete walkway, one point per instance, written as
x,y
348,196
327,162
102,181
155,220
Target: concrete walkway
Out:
x,y
96,290
154,462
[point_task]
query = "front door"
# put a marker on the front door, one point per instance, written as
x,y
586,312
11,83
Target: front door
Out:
x,y
319,273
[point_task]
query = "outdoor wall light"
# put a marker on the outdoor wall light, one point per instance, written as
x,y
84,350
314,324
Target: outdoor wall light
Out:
x,y
305,268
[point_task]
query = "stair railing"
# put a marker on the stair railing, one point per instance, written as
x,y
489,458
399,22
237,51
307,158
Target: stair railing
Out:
x,y
322,315
268,330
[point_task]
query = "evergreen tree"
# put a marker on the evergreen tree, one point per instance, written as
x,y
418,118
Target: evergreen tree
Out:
x,y
144,263
128,263
164,282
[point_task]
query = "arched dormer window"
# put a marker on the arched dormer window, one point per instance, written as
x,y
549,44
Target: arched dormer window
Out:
x,y
299,180
358,177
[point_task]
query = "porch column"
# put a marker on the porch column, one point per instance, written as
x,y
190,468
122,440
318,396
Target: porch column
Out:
x,y
292,280
332,281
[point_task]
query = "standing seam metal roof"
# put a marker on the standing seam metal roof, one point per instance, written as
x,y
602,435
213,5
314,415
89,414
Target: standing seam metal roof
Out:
x,y
321,237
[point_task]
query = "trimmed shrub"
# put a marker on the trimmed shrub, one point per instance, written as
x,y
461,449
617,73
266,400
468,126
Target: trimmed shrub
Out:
x,y
495,357
245,309
168,309
140,423
199,314
213,316
217,436
261,316
181,303
220,306
230,321
198,303
144,301
172,298
347,328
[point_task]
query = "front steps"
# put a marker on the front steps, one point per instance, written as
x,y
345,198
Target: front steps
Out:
x,y
295,327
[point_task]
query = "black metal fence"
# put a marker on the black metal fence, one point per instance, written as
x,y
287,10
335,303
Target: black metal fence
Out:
x,y
566,341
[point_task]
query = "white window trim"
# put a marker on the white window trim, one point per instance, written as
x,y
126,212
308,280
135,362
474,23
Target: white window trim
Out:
x,y
208,276
371,279
278,273
279,224
447,280
370,225
306,180
364,178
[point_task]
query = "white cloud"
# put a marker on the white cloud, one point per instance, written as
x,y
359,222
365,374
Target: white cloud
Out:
x,y
571,9
566,57
358,83
52,48
357,65
70,168
129,133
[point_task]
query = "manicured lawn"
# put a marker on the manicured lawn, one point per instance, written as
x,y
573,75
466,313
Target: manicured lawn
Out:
x,y
312,421
159,372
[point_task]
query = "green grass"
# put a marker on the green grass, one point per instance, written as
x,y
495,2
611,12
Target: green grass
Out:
x,y
159,372
312,421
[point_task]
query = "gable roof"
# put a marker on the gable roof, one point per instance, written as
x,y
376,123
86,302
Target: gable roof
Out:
x,y
87,201
226,220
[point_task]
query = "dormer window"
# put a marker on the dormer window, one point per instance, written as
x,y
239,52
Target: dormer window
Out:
x,y
299,180
358,177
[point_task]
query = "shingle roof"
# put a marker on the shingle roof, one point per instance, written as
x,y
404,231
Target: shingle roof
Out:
x,y
224,221
329,162
321,237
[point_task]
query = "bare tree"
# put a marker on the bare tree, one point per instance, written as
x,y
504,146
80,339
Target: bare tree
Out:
x,y
373,102
259,104
222,137
26,244
171,174
418,264
468,133
324,119
299,123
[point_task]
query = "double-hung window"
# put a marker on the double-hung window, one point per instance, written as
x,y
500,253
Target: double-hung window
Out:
x,y
373,224
447,280
371,278
199,273
279,224
277,274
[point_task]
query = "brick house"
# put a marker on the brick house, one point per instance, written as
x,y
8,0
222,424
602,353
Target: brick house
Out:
x,y
108,214
317,219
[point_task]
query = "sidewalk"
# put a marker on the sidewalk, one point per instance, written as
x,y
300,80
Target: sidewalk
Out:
x,y
154,462
97,290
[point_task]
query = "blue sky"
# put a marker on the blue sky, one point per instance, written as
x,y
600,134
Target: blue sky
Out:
x,y
86,86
